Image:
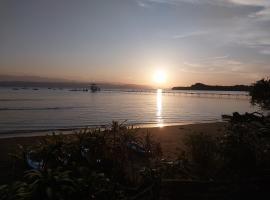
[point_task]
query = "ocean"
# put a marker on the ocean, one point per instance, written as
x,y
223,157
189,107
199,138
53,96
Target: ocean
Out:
x,y
25,110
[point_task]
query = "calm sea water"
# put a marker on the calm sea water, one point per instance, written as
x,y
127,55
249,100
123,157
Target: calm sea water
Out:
x,y
44,109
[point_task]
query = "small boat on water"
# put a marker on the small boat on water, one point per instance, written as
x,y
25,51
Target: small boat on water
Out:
x,y
94,87
79,90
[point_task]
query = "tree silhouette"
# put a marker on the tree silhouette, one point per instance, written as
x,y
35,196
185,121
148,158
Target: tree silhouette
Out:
x,y
260,93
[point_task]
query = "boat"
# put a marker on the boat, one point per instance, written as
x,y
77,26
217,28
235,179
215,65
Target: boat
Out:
x,y
94,87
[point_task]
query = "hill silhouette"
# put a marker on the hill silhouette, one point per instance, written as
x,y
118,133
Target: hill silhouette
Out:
x,y
201,86
43,82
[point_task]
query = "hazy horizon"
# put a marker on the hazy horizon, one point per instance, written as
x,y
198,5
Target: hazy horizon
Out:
x,y
37,79
158,43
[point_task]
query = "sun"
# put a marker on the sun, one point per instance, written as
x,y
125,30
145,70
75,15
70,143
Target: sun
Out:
x,y
160,76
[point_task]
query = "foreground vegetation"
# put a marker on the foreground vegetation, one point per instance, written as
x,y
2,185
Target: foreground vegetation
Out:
x,y
92,164
117,164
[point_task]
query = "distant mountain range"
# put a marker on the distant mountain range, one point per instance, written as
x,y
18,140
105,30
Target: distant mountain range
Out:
x,y
35,81
201,86
11,78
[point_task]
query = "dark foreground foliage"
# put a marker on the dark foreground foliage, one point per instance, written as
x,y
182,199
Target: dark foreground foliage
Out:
x,y
93,164
232,165
260,93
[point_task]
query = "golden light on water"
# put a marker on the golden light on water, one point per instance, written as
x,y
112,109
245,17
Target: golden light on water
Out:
x,y
159,108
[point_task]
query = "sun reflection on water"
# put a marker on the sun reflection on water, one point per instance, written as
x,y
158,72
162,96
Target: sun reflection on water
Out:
x,y
159,108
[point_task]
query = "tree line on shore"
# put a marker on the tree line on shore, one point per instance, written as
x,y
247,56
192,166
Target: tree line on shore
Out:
x,y
201,86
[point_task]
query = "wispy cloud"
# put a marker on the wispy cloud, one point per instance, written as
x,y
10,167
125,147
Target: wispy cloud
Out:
x,y
215,2
143,4
262,14
266,51
218,64
215,58
191,34
251,2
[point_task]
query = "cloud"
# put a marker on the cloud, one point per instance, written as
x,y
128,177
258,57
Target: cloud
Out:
x,y
263,14
218,64
178,2
250,38
215,58
265,4
251,2
214,2
240,28
142,4
191,34
266,51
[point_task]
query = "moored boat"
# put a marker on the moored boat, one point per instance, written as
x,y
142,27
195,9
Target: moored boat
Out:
x,y
94,87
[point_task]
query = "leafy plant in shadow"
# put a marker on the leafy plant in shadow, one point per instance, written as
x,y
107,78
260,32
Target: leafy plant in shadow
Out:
x,y
50,184
90,164
242,152
202,155
234,164
16,191
246,144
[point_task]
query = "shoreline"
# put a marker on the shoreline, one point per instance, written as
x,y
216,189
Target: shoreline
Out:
x,y
71,130
169,137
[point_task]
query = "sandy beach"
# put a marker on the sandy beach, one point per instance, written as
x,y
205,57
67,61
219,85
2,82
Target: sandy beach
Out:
x,y
170,138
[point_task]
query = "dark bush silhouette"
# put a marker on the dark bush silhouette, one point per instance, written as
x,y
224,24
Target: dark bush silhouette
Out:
x,y
260,93
91,164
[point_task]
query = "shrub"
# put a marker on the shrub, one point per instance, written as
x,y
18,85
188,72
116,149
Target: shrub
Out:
x,y
92,164
201,155
260,93
242,152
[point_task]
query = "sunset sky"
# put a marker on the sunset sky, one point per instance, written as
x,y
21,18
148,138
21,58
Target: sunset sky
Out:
x,y
169,42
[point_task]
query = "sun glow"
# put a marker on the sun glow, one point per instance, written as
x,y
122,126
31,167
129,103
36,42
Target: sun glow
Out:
x,y
160,77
